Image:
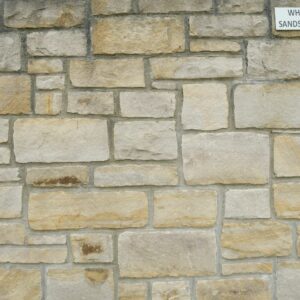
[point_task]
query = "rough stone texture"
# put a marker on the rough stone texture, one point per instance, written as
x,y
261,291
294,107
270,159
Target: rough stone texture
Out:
x,y
241,6
214,45
196,67
115,175
77,283
48,103
247,267
110,7
57,43
148,104
92,247
145,140
256,239
185,208
273,59
94,103
10,52
248,288
4,155
37,239
107,73
20,284
50,82
247,203
60,140
287,155
72,210
233,158
44,65
132,291
133,35
35,14
287,200
65,176
9,174
12,233
4,127
15,94
228,26
10,201
273,105
205,106
171,289
179,253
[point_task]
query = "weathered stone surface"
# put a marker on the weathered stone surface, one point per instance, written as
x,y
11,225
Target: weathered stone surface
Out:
x,y
274,105
110,7
241,6
228,25
4,127
227,158
145,140
66,176
167,6
298,240
114,175
92,247
287,280
38,239
60,140
75,283
246,288
189,253
137,34
255,239
132,291
50,82
185,208
10,52
57,43
164,85
35,14
205,106
287,200
213,45
247,203
196,67
32,255
20,284
94,103
287,155
9,174
15,94
48,103
10,201
148,104
247,267
107,73
274,59
171,290
4,155
71,210
12,233
44,65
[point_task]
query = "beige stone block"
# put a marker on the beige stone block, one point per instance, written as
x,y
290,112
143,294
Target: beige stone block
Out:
x,y
12,233
77,209
214,45
132,291
167,253
50,82
171,290
185,208
138,34
38,239
255,239
10,52
9,174
4,127
164,85
247,267
4,155
10,201
44,65
110,7
205,106
241,6
48,103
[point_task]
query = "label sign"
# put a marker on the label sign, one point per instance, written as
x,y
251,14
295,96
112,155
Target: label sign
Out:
x,y
287,18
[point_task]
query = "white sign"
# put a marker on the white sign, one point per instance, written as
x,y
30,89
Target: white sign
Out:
x,y
287,18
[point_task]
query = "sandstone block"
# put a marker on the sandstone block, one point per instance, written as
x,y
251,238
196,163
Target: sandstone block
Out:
x,y
10,201
12,234
9,174
110,7
50,82
214,45
241,6
171,289
48,103
10,52
247,267
45,65
4,127
38,239
4,155
132,291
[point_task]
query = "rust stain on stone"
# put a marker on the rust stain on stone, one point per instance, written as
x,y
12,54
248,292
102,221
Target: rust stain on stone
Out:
x,y
66,180
88,248
96,275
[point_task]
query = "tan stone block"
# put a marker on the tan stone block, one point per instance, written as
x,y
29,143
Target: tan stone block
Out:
x,y
164,85
4,155
247,267
185,208
20,284
4,127
92,247
10,201
241,6
9,174
114,175
73,210
110,7
12,233
10,52
45,65
132,291
214,45
48,103
15,94
107,73
75,283
66,176
38,239
171,290
194,67
167,253
50,82
227,158
60,140
205,106
137,34
255,239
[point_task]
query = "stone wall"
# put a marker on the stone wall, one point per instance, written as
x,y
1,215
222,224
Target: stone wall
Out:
x,y
150,149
